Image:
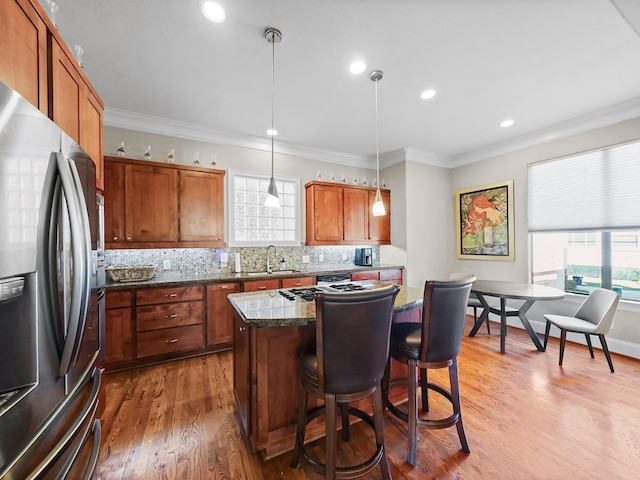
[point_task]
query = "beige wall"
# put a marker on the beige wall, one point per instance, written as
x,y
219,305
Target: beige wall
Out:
x,y
626,333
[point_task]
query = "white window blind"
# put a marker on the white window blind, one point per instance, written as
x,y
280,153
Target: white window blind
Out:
x,y
253,224
598,190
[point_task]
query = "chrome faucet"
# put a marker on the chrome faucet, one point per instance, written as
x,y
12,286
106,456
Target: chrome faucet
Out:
x,y
269,270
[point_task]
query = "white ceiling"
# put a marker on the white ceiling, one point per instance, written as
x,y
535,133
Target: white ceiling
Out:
x,y
554,66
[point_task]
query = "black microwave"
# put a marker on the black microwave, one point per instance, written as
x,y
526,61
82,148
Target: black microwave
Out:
x,y
364,257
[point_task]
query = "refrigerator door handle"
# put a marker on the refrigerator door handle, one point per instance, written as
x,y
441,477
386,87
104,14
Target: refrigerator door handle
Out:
x,y
80,290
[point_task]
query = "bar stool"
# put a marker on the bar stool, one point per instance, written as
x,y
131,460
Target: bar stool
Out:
x,y
352,350
435,343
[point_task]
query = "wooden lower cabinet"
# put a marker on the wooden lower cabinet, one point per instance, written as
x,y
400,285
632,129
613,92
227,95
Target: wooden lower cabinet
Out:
x,y
220,313
169,320
298,282
257,285
119,328
392,276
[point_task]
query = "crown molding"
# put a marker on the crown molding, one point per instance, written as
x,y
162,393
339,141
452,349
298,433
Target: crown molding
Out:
x,y
117,118
591,121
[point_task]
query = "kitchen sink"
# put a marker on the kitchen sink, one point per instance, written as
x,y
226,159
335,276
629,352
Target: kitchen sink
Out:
x,y
275,272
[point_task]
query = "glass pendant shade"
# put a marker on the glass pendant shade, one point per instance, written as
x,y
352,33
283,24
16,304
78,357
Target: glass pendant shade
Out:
x,y
378,209
272,200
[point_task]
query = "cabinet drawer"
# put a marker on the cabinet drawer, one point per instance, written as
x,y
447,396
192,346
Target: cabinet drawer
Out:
x,y
298,282
169,340
257,285
153,317
150,296
365,276
118,299
227,287
393,276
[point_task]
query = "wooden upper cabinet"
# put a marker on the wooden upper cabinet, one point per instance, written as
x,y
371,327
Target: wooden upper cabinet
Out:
x,y
356,214
324,214
201,205
341,215
65,92
91,137
154,205
23,51
380,227
151,203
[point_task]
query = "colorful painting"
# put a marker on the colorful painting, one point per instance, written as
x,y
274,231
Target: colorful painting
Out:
x,y
484,219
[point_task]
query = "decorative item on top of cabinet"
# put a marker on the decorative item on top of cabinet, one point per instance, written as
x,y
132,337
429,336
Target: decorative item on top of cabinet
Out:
x,y
220,313
169,320
119,328
160,205
341,215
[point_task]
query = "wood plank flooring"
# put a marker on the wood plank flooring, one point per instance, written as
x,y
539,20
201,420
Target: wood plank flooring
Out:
x,y
525,418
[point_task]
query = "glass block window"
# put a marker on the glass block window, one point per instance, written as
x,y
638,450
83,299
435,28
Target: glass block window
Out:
x,y
253,224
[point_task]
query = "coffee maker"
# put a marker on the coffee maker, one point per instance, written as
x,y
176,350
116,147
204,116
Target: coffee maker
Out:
x,y
364,257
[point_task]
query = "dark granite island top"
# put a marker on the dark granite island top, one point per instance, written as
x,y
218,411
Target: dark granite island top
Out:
x,y
271,309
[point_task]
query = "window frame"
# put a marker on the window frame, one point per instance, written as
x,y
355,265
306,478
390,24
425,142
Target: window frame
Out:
x,y
264,179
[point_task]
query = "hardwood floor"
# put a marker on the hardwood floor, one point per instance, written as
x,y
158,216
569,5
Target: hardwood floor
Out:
x,y
525,418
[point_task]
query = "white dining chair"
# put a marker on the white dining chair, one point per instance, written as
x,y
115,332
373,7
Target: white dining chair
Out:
x,y
594,317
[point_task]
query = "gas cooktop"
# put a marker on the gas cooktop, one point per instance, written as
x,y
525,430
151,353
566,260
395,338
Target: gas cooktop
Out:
x,y
308,294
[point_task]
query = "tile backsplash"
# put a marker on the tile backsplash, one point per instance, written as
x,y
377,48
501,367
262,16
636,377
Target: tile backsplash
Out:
x,y
190,261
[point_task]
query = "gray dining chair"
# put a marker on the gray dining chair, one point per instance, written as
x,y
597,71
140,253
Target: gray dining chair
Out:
x,y
594,317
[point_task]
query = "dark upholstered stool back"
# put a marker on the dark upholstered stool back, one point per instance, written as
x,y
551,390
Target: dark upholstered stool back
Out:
x,y
352,337
443,319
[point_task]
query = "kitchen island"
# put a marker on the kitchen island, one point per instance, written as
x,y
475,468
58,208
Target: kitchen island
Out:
x,y
271,332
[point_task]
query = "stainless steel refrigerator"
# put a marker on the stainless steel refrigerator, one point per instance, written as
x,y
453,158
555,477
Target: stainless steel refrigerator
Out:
x,y
51,298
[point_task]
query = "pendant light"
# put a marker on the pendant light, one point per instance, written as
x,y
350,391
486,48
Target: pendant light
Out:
x,y
378,209
273,36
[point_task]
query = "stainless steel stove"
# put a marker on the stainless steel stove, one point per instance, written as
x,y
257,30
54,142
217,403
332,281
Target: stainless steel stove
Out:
x,y
307,294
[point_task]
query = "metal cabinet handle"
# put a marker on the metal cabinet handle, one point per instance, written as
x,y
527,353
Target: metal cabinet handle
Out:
x,y
171,295
129,239
173,315
173,340
242,329
262,288
223,287
115,239
297,284
219,238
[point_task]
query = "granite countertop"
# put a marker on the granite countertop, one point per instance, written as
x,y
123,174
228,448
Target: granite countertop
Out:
x,y
270,309
176,279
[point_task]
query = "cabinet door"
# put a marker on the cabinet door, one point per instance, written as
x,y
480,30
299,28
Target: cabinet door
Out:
x,y
119,329
201,207
151,204
380,227
370,275
66,92
324,214
23,43
356,214
220,313
91,111
113,203
391,276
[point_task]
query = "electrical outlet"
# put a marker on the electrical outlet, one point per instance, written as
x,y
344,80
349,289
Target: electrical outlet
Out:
x,y
344,256
166,264
305,258
374,255
321,257
224,257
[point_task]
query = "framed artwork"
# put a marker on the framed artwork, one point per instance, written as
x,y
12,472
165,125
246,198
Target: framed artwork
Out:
x,y
484,222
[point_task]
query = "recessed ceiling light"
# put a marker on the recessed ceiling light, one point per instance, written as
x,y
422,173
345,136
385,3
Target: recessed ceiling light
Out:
x,y
427,94
272,133
357,67
506,123
212,11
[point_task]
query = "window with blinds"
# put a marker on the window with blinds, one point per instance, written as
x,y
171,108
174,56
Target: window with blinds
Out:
x,y
584,220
